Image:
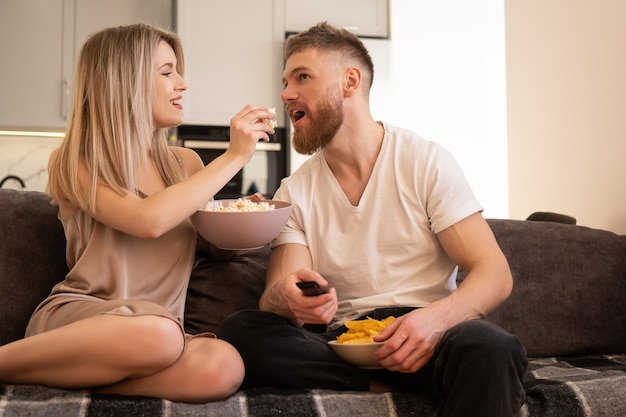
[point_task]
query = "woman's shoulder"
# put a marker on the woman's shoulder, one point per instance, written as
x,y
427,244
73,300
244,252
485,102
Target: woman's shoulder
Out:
x,y
189,159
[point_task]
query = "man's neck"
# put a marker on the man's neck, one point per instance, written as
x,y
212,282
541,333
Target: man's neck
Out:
x,y
351,157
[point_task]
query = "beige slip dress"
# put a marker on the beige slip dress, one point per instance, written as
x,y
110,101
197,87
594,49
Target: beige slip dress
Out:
x,y
112,272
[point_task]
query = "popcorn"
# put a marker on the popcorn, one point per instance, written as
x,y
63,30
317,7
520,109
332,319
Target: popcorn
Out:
x,y
271,122
241,205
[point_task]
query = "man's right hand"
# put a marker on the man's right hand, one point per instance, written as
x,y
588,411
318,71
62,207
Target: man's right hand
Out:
x,y
311,310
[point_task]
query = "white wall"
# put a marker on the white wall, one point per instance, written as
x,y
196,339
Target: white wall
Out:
x,y
447,83
566,73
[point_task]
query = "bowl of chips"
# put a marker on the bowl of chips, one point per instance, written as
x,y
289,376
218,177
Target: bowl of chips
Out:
x,y
357,345
241,224
357,354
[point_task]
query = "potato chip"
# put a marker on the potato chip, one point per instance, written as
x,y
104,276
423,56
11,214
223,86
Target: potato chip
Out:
x,y
363,331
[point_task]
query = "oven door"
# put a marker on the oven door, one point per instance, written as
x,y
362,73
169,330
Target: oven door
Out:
x,y
233,188
262,174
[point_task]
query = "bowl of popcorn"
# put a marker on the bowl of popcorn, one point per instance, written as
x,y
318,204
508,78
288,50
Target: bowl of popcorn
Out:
x,y
357,345
241,224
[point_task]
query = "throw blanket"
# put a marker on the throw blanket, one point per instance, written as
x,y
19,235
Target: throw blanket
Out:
x,y
577,387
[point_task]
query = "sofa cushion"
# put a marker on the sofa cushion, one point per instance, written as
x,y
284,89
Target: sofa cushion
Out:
x,y
32,248
220,288
569,287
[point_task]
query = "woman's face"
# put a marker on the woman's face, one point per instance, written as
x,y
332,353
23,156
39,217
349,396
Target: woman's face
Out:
x,y
167,107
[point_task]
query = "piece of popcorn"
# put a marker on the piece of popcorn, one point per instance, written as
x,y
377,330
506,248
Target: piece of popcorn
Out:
x,y
271,122
241,205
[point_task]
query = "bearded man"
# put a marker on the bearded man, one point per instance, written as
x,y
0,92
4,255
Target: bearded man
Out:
x,y
381,219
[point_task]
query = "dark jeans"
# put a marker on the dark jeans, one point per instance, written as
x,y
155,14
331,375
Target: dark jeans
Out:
x,y
477,369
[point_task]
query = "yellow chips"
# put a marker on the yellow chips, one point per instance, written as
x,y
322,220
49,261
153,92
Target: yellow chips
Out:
x,y
363,331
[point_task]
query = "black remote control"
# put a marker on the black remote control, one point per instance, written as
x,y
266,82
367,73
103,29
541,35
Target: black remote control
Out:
x,y
310,288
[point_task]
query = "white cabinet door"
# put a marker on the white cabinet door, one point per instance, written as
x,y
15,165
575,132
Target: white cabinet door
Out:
x,y
92,15
368,18
232,56
41,40
35,72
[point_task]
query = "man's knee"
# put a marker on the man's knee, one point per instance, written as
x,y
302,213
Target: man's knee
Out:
x,y
487,340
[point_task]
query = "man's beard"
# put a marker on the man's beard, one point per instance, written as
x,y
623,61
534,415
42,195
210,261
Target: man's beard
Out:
x,y
321,127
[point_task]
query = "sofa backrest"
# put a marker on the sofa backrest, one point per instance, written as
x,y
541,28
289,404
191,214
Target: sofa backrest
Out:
x,y
568,294
32,257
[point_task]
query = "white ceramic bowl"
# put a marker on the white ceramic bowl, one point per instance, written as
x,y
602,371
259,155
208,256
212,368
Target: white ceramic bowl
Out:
x,y
236,230
358,354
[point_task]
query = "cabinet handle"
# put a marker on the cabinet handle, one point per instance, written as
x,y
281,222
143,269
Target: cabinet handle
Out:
x,y
65,98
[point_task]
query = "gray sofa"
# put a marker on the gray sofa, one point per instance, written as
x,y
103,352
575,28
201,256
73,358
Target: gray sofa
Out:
x,y
567,307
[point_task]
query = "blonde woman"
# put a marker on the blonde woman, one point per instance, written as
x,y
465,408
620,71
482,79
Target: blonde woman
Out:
x,y
114,324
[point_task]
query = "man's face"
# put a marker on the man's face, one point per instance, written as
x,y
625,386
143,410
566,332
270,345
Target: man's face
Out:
x,y
314,100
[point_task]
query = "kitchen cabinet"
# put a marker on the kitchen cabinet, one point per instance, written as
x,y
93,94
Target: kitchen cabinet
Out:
x,y
41,40
366,18
35,66
234,49
233,57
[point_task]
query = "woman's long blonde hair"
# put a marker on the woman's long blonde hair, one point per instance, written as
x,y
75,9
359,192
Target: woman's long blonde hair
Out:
x,y
111,129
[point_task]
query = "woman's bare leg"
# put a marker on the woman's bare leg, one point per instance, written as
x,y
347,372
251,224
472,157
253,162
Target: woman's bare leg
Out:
x,y
96,351
208,370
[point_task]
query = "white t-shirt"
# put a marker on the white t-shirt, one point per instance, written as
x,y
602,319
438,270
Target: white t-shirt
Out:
x,y
384,251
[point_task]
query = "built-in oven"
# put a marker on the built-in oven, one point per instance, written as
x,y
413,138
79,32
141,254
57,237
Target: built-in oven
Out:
x,y
263,173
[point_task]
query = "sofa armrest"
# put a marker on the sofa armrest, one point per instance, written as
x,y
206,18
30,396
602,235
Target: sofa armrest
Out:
x,y
32,257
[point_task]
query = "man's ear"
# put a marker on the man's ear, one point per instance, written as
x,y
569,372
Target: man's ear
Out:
x,y
351,81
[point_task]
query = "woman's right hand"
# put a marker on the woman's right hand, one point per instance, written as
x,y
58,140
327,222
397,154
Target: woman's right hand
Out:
x,y
248,127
